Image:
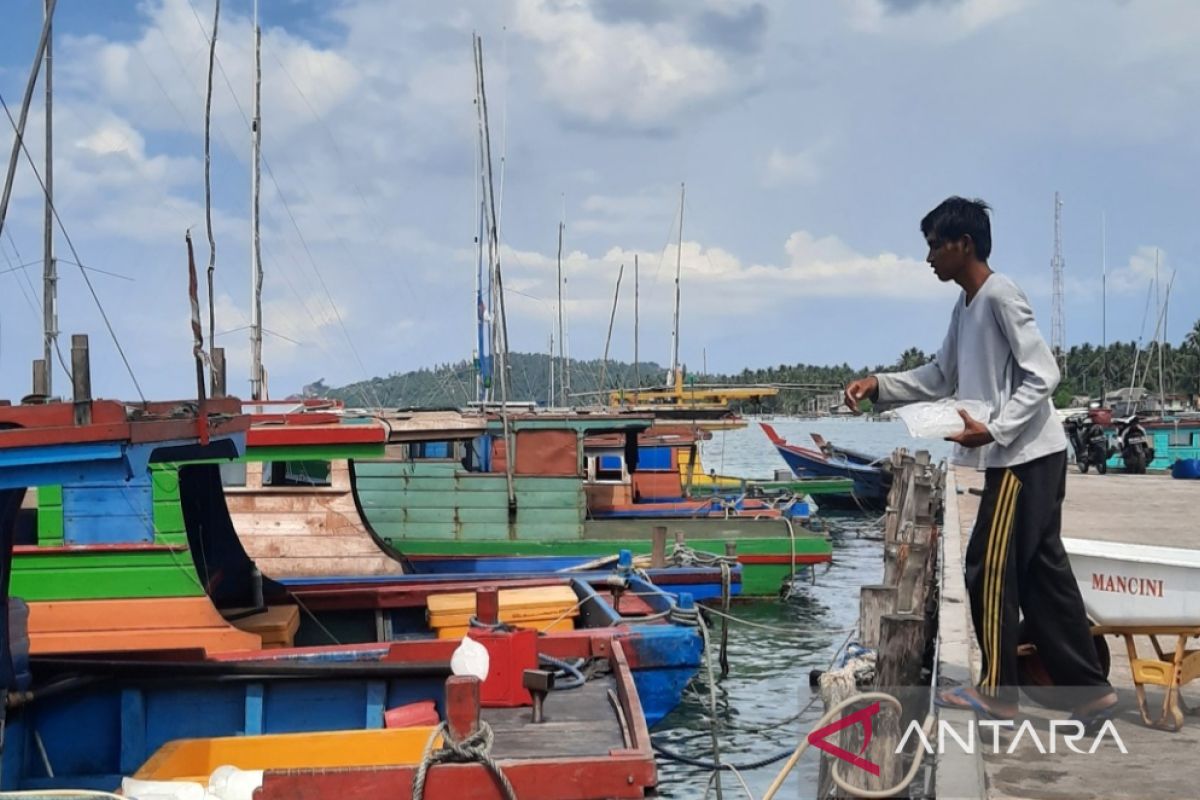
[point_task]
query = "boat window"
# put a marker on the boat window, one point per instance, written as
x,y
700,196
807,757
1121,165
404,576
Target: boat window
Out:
x,y
432,450
1177,438
296,473
233,473
609,468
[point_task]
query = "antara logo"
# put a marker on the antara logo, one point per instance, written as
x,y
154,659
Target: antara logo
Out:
x,y
1026,729
1070,731
1142,587
818,738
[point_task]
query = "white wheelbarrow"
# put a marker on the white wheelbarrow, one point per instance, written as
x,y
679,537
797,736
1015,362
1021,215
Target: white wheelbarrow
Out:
x,y
1144,590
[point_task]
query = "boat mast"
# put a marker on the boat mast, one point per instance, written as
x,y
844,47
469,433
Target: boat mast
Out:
x,y
50,265
500,331
1103,309
256,274
26,100
637,374
678,264
612,317
562,364
1162,337
212,242
483,375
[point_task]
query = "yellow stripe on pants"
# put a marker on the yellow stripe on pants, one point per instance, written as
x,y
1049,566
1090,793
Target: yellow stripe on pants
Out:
x,y
993,575
1001,568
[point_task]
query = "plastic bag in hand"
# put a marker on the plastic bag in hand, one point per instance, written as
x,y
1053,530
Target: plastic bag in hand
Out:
x,y
940,419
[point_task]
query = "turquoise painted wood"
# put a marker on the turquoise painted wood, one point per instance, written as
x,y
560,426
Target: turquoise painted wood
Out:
x,y
1171,442
439,500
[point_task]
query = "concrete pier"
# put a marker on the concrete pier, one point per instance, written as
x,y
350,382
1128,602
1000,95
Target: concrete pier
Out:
x,y
1144,509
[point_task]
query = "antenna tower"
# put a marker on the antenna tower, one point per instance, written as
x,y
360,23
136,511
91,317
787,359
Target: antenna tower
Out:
x,y
1058,326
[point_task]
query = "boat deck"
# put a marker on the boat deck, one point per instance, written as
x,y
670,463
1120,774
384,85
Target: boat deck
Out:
x,y
578,722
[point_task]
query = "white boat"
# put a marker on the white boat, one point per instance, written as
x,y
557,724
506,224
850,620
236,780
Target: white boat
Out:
x,y
1136,584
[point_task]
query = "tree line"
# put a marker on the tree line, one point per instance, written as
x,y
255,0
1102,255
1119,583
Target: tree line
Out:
x,y
1087,370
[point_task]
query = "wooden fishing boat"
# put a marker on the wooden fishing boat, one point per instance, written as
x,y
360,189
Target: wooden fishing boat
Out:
x,y
445,492
871,479
710,407
136,707
243,608
699,482
651,486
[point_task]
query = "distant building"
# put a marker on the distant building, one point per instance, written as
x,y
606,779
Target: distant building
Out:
x,y
1138,400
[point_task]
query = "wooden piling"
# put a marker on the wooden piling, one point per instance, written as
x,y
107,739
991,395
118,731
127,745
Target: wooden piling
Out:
x,y
873,603
218,372
81,378
893,618
39,378
658,547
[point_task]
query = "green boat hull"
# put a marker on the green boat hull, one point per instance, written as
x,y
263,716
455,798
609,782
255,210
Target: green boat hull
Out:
x,y
765,560
817,487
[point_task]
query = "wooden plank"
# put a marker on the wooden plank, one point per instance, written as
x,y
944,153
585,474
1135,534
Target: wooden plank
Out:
x,y
325,566
395,501
874,603
157,575
139,614
210,640
304,547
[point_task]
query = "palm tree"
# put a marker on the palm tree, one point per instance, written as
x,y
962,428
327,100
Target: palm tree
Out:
x,y
1192,344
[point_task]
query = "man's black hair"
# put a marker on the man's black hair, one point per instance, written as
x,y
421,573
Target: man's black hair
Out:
x,y
956,217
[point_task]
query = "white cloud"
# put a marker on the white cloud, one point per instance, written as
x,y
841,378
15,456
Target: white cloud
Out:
x,y
628,73
932,19
715,281
784,168
1140,271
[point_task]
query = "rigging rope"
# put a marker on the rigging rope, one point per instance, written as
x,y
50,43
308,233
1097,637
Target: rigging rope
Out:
x,y
79,261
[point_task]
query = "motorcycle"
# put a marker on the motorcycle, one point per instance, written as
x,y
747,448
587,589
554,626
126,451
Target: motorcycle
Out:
x,y
1089,441
1134,445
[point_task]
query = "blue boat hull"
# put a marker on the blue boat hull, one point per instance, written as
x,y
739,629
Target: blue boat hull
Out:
x,y
870,483
95,736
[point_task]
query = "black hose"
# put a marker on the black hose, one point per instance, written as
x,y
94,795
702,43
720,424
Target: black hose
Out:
x,y
724,765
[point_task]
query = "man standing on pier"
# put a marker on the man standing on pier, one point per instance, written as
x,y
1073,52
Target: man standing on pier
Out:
x,y
1015,561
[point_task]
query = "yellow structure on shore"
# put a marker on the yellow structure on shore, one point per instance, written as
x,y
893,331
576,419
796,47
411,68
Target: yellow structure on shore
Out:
x,y
693,403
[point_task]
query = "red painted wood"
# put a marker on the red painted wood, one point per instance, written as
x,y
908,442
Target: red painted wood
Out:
x,y
547,453
801,558
287,434
54,423
38,550
462,705
620,774
573,779
487,605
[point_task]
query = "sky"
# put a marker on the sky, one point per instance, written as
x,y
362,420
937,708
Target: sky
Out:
x,y
810,137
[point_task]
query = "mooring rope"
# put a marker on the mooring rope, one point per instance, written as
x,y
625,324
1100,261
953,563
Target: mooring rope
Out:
x,y
474,749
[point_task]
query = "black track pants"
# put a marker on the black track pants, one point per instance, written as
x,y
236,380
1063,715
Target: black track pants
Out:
x,y
1016,564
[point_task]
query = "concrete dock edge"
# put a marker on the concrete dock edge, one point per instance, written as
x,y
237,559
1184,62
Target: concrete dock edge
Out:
x,y
958,774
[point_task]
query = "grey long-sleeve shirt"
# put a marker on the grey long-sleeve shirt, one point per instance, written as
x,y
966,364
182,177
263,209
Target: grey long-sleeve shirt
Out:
x,y
993,352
